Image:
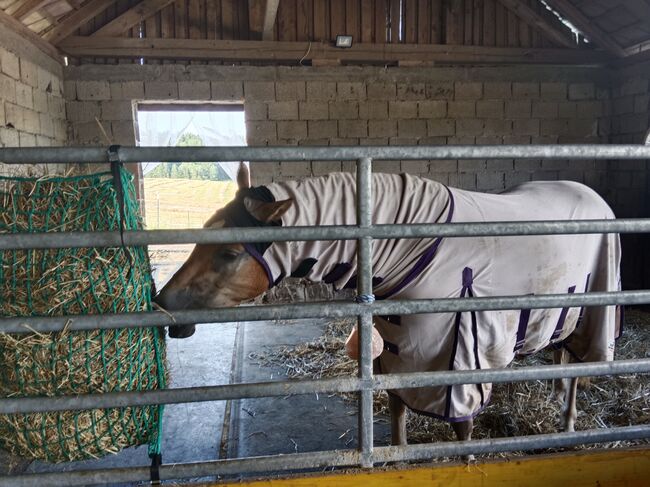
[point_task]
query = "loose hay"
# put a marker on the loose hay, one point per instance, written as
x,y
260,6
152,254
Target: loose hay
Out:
x,y
516,409
75,281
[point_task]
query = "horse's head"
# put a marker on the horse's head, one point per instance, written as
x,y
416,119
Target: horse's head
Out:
x,y
220,275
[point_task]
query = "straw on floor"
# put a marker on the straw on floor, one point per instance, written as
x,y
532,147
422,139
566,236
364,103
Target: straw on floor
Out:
x,y
517,409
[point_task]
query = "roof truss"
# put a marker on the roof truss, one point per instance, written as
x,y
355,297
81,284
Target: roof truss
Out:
x,y
587,26
132,17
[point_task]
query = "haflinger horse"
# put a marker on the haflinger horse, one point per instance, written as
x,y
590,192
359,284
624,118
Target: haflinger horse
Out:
x,y
226,275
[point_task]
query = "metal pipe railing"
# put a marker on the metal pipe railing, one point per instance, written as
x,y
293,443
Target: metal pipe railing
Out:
x,y
53,155
58,240
326,459
364,319
366,455
335,309
13,405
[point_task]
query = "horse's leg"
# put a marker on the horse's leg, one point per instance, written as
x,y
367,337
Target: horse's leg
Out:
x,y
397,420
463,430
569,410
559,385
565,391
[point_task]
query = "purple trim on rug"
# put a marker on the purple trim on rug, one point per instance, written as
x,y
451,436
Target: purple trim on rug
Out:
x,y
446,417
391,347
352,283
259,258
468,279
477,360
560,321
337,272
582,310
454,348
524,318
425,258
392,319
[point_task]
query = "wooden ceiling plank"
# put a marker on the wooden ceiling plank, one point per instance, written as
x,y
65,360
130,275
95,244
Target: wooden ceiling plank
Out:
x,y
537,21
321,51
131,18
270,14
256,18
22,30
76,19
27,7
577,18
639,8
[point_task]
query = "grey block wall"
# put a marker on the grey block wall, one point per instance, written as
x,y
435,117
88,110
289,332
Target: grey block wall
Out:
x,y
629,184
368,105
32,105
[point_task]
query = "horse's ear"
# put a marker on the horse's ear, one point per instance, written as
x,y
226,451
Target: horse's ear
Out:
x,y
243,176
267,212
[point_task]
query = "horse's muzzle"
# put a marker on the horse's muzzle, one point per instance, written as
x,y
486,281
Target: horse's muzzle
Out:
x,y
175,331
181,331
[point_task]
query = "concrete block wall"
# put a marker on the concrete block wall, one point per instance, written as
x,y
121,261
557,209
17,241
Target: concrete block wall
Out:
x,y
32,104
629,184
368,105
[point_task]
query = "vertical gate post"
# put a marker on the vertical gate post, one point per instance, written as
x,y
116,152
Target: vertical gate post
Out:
x,y
364,295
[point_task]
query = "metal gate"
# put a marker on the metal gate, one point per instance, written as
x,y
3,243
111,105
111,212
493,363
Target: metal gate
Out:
x,y
366,455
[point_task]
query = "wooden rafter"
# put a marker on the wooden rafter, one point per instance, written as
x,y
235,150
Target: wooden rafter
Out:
x,y
132,17
28,34
154,48
538,21
587,26
76,19
270,13
26,7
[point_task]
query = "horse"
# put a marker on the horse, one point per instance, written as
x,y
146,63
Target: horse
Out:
x,y
222,275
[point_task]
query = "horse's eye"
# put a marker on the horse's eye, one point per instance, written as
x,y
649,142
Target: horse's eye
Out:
x,y
228,255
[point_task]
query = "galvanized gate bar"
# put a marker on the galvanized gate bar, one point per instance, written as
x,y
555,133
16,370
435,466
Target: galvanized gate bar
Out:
x,y
364,232
13,405
58,240
53,155
364,319
332,309
324,459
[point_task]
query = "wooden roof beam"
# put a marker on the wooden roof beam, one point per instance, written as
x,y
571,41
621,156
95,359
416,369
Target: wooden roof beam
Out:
x,y
76,19
153,48
577,18
270,14
539,22
27,7
131,17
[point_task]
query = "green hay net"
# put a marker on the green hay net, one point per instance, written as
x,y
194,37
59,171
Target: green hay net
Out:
x,y
76,281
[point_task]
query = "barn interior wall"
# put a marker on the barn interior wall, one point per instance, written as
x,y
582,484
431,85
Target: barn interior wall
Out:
x,y
348,105
369,105
32,106
629,182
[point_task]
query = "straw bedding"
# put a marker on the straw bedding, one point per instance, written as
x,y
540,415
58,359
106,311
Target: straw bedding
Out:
x,y
523,408
75,281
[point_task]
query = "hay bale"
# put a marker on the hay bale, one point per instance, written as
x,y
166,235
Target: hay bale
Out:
x,y
75,281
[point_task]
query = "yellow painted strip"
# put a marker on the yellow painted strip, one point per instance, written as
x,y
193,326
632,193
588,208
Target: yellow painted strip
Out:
x,y
617,468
